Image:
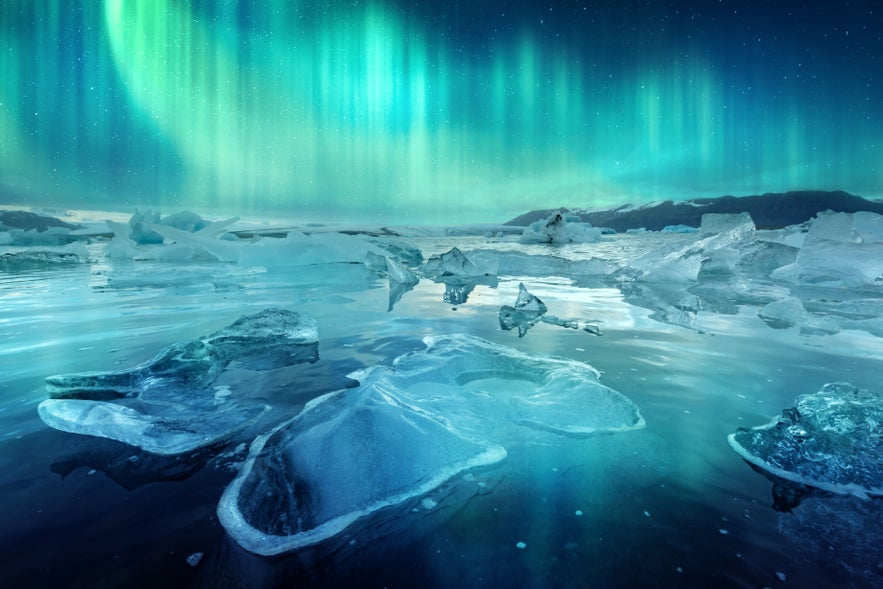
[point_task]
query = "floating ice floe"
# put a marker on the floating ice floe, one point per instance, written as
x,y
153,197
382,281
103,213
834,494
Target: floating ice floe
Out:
x,y
170,404
405,430
525,314
529,310
183,236
830,441
459,274
401,278
561,228
725,245
842,250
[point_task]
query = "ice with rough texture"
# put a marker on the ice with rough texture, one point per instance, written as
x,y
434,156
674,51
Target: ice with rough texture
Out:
x,y
143,233
401,278
454,264
146,240
840,250
725,246
529,310
459,274
561,228
525,314
170,404
404,431
830,440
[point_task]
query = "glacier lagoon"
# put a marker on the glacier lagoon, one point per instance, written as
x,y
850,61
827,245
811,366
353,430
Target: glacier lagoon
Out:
x,y
706,334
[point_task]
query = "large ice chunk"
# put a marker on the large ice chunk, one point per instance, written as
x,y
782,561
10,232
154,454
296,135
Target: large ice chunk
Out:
x,y
840,250
561,228
529,310
454,264
178,237
459,274
830,440
725,246
170,404
403,432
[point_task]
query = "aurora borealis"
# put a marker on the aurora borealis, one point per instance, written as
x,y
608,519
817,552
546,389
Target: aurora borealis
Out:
x,y
425,111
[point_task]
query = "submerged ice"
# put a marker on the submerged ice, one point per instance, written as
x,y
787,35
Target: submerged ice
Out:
x,y
456,405
830,440
170,404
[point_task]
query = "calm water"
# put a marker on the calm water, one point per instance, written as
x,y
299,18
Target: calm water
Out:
x,y
667,506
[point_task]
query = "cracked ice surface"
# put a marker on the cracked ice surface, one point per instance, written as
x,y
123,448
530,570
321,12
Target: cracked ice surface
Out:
x,y
830,441
403,432
169,404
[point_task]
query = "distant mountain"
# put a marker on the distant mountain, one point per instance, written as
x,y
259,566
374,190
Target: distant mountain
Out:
x,y
769,211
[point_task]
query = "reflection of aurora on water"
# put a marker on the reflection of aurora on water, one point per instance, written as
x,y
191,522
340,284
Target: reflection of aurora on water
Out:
x,y
418,110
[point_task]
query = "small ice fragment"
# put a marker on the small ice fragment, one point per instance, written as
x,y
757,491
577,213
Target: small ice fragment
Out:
x,y
578,512
679,569
724,531
428,503
782,576
91,471
194,558
521,545
646,514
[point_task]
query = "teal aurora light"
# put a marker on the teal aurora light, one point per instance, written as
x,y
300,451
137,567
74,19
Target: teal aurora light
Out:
x,y
433,111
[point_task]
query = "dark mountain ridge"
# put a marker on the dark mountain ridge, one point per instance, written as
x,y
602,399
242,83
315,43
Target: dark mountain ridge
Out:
x,y
769,211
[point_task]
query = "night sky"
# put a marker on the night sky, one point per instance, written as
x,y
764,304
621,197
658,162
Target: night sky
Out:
x,y
434,111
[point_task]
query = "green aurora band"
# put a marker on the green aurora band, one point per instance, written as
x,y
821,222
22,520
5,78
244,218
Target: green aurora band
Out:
x,y
362,111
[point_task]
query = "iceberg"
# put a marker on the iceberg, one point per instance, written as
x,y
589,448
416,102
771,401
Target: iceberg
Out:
x,y
726,246
142,231
459,274
829,441
170,404
404,431
179,237
561,228
529,310
525,314
454,264
840,250
401,279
